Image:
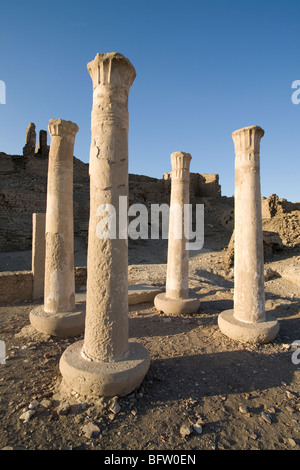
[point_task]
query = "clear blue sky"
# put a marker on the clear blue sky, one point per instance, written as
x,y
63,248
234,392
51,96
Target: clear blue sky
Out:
x,y
204,69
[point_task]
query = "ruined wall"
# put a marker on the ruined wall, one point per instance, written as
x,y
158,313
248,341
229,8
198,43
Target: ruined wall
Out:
x,y
282,217
23,191
201,185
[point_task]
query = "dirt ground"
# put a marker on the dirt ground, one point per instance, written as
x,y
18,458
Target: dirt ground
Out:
x,y
203,391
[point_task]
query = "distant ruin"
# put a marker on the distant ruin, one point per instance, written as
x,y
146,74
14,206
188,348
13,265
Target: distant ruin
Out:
x,y
23,191
30,149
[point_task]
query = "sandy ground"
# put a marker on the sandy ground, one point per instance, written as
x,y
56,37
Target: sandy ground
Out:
x,y
203,390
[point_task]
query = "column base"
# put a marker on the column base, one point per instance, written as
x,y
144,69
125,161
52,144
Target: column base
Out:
x,y
176,306
62,324
256,333
94,379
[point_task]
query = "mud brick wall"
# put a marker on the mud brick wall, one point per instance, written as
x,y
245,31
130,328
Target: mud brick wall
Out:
x,y
15,286
23,191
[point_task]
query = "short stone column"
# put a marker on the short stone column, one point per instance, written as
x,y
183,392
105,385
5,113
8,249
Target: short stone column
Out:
x,y
248,321
59,315
106,363
38,254
176,299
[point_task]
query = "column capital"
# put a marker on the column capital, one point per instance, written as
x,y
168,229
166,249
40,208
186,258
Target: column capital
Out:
x,y
111,68
62,128
180,162
247,139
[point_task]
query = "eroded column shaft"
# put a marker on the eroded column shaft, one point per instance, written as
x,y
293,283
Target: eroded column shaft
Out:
x,y
59,291
106,331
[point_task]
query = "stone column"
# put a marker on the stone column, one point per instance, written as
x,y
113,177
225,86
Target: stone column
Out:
x,y
59,315
38,254
176,299
248,321
106,363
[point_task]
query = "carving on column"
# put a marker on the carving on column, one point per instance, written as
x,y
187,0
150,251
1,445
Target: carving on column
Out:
x,y
180,162
247,145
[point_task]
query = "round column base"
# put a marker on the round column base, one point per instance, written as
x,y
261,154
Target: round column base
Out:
x,y
94,379
256,333
176,306
63,324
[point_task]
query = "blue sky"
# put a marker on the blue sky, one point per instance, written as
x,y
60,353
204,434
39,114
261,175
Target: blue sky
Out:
x,y
204,69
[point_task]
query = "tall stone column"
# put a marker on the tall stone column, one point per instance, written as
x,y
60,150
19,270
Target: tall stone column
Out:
x,y
248,321
176,299
59,315
106,363
38,255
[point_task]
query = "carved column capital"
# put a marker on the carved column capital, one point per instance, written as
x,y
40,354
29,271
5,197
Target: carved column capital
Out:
x,y
111,69
180,162
247,145
62,128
